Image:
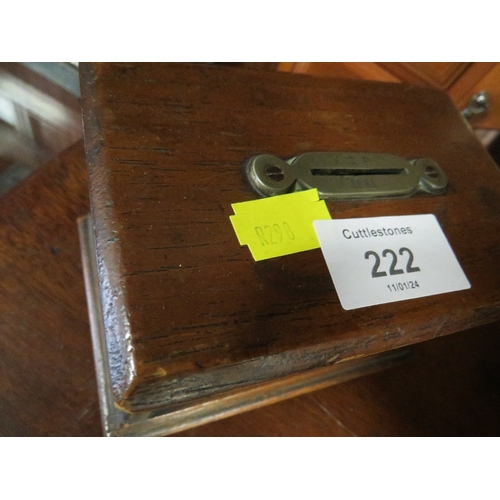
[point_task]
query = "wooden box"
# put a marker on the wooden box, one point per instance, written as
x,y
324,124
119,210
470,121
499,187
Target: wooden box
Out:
x,y
187,327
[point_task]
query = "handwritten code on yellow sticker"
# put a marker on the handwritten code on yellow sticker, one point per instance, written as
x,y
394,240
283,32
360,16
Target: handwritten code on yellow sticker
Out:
x,y
281,225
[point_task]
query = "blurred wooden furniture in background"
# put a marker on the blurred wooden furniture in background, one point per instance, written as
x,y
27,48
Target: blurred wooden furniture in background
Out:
x,y
38,117
461,80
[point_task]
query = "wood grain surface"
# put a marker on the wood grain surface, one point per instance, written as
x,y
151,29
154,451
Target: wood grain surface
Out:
x,y
47,375
449,387
189,314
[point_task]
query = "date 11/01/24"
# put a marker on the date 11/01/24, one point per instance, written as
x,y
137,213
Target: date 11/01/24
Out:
x,y
401,286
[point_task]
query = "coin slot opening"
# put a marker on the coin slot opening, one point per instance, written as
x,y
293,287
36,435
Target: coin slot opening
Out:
x,y
274,173
356,171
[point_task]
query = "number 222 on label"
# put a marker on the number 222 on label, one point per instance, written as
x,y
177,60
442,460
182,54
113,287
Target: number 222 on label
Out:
x,y
393,270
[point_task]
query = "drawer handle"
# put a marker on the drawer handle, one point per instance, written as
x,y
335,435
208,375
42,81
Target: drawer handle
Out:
x,y
478,104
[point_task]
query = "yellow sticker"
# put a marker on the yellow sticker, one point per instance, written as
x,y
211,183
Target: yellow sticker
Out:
x,y
280,225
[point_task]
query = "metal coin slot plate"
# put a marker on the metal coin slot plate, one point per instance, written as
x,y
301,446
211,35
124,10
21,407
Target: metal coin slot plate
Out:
x,y
346,176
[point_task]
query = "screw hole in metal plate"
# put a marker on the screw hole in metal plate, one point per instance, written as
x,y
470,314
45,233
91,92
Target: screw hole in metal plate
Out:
x,y
431,172
274,173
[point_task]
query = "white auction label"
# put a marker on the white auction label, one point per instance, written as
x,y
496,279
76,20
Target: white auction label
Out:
x,y
377,260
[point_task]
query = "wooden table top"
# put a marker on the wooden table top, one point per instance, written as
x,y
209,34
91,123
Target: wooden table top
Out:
x,y
47,372
189,315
